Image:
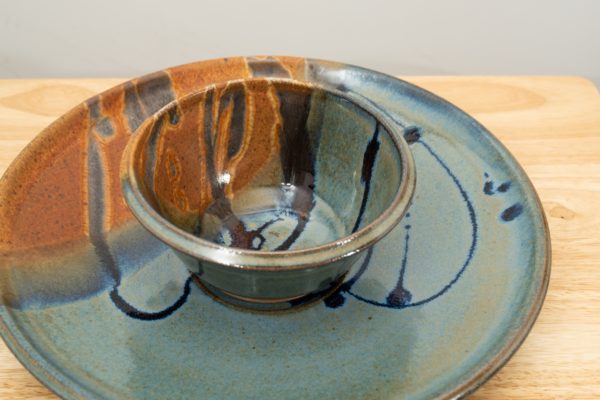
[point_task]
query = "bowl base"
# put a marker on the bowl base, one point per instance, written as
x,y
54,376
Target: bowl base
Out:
x,y
267,305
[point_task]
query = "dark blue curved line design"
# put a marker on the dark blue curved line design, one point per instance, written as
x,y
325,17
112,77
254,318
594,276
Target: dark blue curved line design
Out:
x,y
133,312
99,241
397,299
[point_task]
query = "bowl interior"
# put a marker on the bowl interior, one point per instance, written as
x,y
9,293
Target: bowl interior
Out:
x,y
267,165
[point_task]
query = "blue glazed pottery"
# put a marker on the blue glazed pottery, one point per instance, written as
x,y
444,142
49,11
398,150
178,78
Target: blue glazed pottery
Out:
x,y
97,307
263,186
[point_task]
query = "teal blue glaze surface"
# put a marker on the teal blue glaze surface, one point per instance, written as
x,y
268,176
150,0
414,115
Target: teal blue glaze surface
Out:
x,y
433,310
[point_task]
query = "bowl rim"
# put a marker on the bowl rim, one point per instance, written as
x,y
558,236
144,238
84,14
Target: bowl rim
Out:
x,y
246,259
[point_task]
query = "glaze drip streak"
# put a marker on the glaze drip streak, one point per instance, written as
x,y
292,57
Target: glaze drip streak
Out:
x,y
96,226
367,172
297,159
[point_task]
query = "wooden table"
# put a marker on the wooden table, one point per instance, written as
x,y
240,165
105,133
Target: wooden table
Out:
x,y
551,125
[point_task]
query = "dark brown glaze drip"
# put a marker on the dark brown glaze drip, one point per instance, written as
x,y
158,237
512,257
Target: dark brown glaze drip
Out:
x,y
221,206
366,174
297,159
151,159
237,100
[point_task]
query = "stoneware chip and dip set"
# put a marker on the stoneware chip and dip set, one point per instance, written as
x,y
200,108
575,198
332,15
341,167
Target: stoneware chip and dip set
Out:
x,y
268,227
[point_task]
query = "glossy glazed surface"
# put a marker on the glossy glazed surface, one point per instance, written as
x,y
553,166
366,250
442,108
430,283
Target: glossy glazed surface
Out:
x,y
432,311
274,178
253,164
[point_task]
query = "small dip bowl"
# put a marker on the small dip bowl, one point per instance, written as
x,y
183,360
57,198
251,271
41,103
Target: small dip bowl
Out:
x,y
268,189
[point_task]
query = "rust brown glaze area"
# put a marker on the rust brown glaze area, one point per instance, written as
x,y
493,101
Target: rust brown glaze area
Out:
x,y
51,203
101,127
238,143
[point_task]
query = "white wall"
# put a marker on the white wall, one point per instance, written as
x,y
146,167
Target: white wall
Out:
x,y
120,38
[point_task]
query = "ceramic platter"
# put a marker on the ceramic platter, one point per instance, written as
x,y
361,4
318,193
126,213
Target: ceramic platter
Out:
x,y
95,307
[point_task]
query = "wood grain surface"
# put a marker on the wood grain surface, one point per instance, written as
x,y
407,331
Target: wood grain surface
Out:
x,y
550,124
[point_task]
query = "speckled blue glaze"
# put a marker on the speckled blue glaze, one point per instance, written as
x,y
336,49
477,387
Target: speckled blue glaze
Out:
x,y
433,310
